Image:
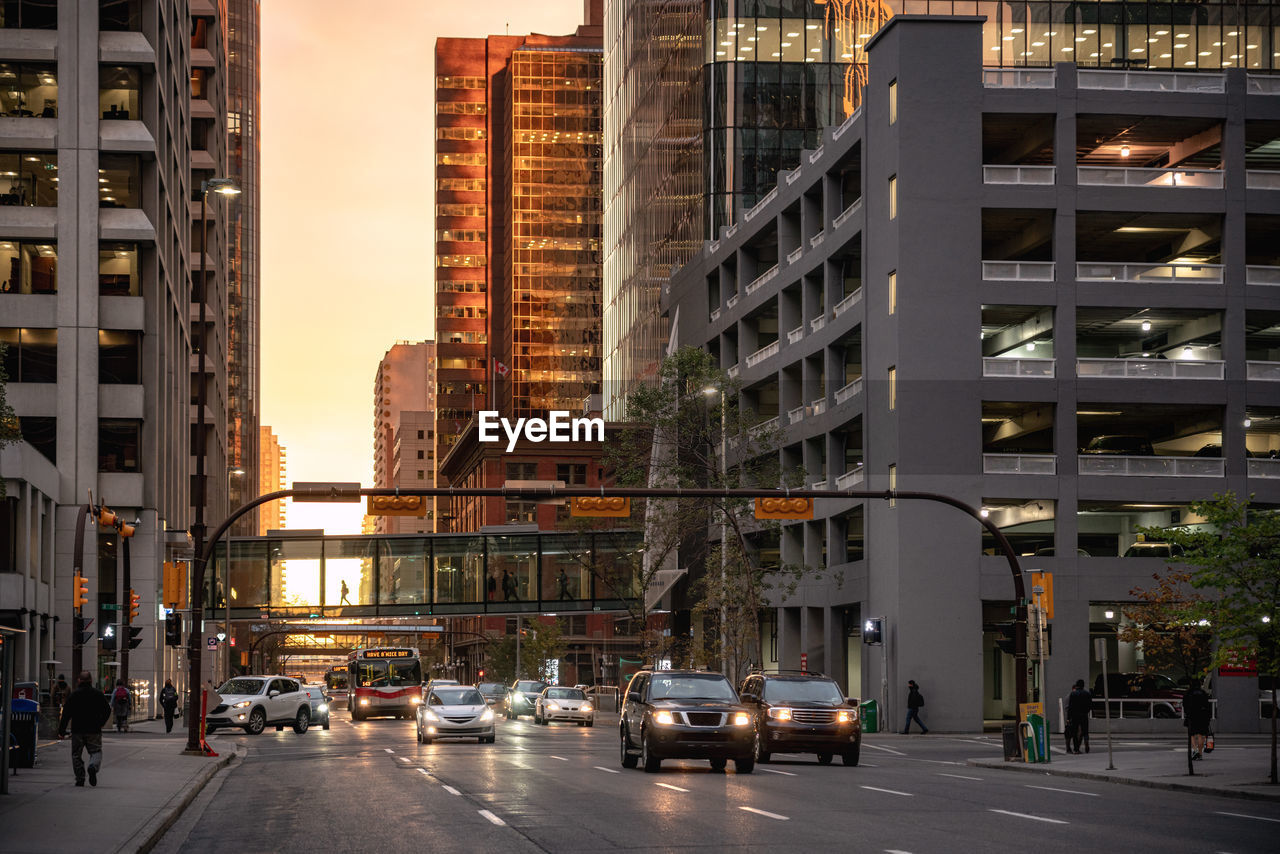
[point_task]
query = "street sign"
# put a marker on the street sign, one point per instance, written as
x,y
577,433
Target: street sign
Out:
x,y
110,606
212,643
1044,594
804,662
1099,649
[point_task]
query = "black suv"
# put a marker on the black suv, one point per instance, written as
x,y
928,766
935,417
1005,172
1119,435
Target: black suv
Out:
x,y
802,713
684,714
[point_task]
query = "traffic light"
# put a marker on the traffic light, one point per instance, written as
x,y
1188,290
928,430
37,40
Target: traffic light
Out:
x,y
175,584
80,591
135,602
600,505
784,508
106,518
873,631
80,628
173,630
135,637
480,673
397,505
125,529
109,636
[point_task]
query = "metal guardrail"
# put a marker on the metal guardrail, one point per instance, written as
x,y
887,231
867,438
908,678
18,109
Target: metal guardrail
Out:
x,y
1166,369
1088,271
1019,78
1143,709
1263,84
1151,81
998,366
1000,174
1264,468
1207,179
1262,179
1017,271
1259,275
1019,464
1265,371
1113,464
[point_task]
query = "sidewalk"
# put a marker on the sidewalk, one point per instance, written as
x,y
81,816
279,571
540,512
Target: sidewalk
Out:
x,y
1235,769
144,785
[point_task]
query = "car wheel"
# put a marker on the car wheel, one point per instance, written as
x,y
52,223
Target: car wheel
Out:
x,y
589,723
745,765
489,739
850,756
426,739
325,725
417,729
257,722
629,759
651,763
761,749
824,758
302,721
719,764
1165,712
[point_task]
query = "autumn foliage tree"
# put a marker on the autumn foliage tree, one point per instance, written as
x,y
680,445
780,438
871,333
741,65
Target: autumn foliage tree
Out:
x,y
1163,623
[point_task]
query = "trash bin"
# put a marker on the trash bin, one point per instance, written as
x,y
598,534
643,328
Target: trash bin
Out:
x,y
870,716
1009,735
26,714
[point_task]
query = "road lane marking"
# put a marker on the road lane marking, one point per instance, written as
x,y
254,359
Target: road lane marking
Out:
x,y
886,749
404,759
451,790
776,771
868,765
765,813
890,791
959,776
895,851
493,818
1254,817
1032,817
608,770
561,758
424,772
671,787
1068,791
388,749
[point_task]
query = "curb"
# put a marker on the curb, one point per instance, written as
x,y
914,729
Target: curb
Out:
x,y
1128,781
151,833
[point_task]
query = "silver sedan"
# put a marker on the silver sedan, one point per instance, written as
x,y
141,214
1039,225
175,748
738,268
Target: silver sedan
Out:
x,y
563,704
455,711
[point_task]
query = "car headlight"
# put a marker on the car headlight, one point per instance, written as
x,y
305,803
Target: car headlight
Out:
x,y
844,716
486,715
427,714
242,704
415,700
323,707
553,707
586,707
741,719
780,714
364,701
664,717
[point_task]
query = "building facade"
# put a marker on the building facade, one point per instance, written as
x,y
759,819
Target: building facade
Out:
x,y
272,469
1110,234
404,403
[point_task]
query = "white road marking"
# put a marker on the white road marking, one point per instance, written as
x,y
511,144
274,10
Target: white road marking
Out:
x,y
424,772
765,813
886,749
493,818
959,776
1032,817
671,787
1254,817
895,851
388,749
404,759
867,765
561,758
890,791
450,789
1068,791
608,770
776,771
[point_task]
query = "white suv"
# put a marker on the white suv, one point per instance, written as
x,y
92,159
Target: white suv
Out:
x,y
253,702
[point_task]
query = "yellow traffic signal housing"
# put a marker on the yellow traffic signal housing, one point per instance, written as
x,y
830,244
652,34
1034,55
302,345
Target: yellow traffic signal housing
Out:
x,y
1044,580
135,602
600,505
784,508
106,518
126,530
80,591
175,584
397,505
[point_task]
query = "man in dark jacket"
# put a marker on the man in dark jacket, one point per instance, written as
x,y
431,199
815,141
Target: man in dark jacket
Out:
x,y
1198,716
914,701
168,702
86,710
1079,708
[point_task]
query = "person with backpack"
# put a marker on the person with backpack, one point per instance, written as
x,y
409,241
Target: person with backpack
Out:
x,y
168,702
86,712
120,705
915,700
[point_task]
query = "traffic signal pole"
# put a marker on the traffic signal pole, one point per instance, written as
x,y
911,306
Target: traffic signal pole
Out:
x,y
77,569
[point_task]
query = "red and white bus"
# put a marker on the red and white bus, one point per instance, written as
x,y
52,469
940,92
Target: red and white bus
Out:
x,y
383,681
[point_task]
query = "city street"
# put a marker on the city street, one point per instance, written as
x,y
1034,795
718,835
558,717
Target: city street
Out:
x,y
561,788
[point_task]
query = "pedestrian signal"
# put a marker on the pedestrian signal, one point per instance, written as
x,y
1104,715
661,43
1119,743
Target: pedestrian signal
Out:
x,y
397,505
600,505
135,639
784,508
173,630
873,631
80,591
109,636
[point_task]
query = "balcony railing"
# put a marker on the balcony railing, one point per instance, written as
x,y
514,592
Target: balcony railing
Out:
x,y
819,484
1263,84
763,279
795,335
816,240
846,213
1264,467
815,154
1164,369
731,230
846,124
765,426
1018,174
796,414
715,315
713,247
794,255
1017,271
1151,81
731,301
1087,271
1208,179
1151,466
1019,464
763,353
734,371
847,303
759,206
850,479
817,323
793,176
1265,371
818,407
849,391
1258,275
995,366
1019,78
1262,179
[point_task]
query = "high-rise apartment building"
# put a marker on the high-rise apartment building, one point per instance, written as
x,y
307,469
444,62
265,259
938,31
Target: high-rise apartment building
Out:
x,y
517,160
272,471
698,131
404,402
98,172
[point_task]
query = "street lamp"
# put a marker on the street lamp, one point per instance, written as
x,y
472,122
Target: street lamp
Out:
x,y
711,391
224,187
226,580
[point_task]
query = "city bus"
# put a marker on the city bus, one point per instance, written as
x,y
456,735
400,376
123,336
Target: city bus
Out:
x,y
383,681
335,683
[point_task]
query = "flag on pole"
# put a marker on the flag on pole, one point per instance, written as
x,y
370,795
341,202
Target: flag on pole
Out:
x,y
500,369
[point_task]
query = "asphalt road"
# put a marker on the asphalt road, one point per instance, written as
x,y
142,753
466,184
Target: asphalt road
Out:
x,y
370,786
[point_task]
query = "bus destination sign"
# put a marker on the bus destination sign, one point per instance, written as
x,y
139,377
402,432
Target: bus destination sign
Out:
x,y
389,653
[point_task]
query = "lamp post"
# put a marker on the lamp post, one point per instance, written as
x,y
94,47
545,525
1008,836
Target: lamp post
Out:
x,y
711,391
226,583
226,187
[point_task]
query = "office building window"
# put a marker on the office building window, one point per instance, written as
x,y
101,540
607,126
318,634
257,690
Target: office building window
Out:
x,y
120,89
29,178
893,389
119,181
118,442
28,90
29,15
120,15
41,434
30,355
893,101
893,197
28,268
522,471
420,436
573,474
118,270
893,291
119,357
420,454
422,475
445,82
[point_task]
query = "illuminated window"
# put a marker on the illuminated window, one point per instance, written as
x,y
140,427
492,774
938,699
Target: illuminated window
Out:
x,y
460,133
893,197
893,291
461,108
893,101
460,158
462,185
443,82
893,389
893,483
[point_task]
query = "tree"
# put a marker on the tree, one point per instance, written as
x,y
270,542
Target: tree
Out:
x,y
1160,621
540,645
10,431
1235,558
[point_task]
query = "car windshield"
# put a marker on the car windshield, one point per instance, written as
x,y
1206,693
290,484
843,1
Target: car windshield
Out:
x,y
565,694
802,691
713,686
456,697
242,686
490,688
531,687
374,673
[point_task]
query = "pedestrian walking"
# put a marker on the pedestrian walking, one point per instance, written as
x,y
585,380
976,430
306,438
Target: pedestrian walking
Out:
x,y
509,586
120,705
168,702
915,700
1079,709
562,585
86,712
61,690
1197,716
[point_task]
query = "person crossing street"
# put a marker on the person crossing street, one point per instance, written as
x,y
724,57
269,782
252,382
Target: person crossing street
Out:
x,y
915,700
